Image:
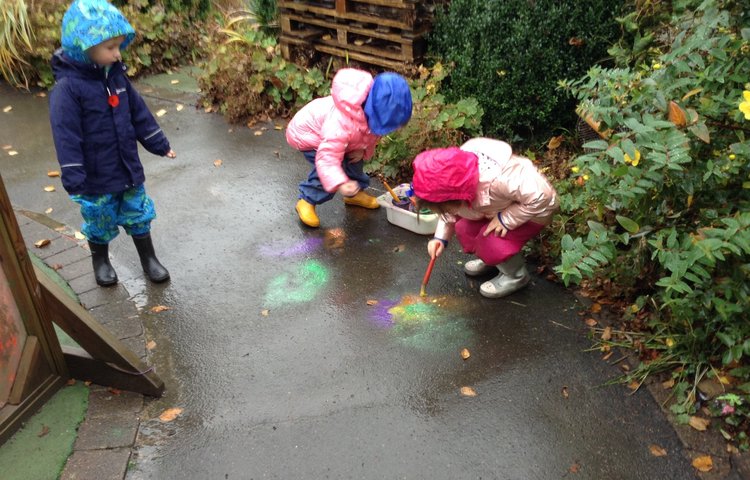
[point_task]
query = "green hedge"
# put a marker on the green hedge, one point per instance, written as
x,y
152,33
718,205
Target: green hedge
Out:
x,y
510,55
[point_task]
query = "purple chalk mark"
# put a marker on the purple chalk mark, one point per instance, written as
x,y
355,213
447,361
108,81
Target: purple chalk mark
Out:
x,y
380,316
307,246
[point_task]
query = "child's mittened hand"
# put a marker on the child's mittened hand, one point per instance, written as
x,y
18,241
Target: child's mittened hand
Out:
x,y
349,189
435,248
496,226
171,154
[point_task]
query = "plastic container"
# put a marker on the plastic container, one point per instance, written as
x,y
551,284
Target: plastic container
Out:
x,y
425,224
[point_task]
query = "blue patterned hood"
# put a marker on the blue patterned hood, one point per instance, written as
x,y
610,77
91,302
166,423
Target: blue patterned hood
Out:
x,y
90,22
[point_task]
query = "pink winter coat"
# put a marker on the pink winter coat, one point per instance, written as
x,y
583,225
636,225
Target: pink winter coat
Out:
x,y
508,184
335,125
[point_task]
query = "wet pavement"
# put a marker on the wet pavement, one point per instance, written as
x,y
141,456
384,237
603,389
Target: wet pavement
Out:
x,y
283,369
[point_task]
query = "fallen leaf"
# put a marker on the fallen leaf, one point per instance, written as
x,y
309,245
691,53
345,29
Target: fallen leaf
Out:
x,y
575,468
725,379
359,43
277,153
41,94
576,42
56,266
399,248
465,353
48,211
265,312
208,109
87,383
79,236
591,322
70,382
150,345
624,367
43,432
170,414
114,391
218,162
607,334
667,384
372,302
564,392
161,113
277,127
160,308
174,82
634,385
42,243
326,37
698,423
179,107
12,153
554,142
49,188
703,463
608,356
468,392
7,147
53,173
657,451
596,308
7,109
258,133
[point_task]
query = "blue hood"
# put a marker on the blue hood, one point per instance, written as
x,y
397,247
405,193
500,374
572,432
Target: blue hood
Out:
x,y
91,22
388,105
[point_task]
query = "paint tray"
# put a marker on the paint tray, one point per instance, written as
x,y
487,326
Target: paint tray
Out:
x,y
425,224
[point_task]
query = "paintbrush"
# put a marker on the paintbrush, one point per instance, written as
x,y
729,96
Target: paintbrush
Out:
x,y
423,290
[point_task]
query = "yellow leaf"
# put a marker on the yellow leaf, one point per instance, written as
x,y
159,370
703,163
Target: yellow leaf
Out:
x,y
48,211
79,236
258,133
170,414
468,392
265,312
7,147
698,423
465,353
151,345
218,162
703,463
607,334
161,113
667,384
591,322
179,107
657,451
326,37
12,153
554,142
277,127
692,92
160,308
7,109
49,188
608,356
174,82
53,173
677,114
41,94
372,302
689,200
596,308
42,243
634,385
564,392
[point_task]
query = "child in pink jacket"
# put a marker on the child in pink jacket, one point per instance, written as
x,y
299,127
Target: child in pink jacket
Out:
x,y
338,132
494,201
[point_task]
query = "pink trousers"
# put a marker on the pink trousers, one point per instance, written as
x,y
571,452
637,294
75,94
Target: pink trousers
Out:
x,y
493,250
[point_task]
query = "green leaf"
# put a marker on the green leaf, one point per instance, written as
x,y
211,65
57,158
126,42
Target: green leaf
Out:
x,y
628,224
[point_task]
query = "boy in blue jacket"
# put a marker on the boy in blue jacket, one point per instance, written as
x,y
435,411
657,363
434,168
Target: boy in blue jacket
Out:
x,y
97,119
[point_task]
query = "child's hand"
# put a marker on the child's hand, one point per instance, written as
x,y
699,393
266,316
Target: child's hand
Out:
x,y
435,248
496,226
171,154
349,189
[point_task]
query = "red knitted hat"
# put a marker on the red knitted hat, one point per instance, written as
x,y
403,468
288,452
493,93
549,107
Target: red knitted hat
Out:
x,y
445,174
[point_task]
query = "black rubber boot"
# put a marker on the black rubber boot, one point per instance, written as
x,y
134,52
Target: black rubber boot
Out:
x,y
155,271
103,272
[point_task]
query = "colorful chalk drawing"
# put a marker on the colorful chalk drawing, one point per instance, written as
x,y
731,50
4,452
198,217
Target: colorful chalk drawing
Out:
x,y
12,338
333,239
302,286
430,323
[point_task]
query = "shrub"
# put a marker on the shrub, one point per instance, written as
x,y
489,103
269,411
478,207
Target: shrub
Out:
x,y
246,76
15,42
511,54
661,207
434,123
164,39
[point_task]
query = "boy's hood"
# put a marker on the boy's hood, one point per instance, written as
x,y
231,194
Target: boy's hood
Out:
x,y
90,22
349,90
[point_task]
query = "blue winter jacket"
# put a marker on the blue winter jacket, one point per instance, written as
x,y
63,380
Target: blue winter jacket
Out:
x,y
96,143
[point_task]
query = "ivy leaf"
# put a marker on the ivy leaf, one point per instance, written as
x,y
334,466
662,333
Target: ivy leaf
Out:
x,y
628,224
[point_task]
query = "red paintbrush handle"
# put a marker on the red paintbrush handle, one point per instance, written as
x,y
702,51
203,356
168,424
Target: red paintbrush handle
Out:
x,y
429,271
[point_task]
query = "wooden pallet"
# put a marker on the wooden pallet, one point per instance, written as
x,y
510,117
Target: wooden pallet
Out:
x,y
390,13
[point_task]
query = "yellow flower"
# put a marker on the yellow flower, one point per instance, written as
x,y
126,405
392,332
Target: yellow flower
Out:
x,y
585,177
575,169
631,161
634,308
670,342
732,156
656,66
745,106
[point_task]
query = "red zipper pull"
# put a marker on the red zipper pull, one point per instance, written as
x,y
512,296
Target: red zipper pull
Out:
x,y
113,100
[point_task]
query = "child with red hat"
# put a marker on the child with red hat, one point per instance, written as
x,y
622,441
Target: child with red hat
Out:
x,y
494,202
